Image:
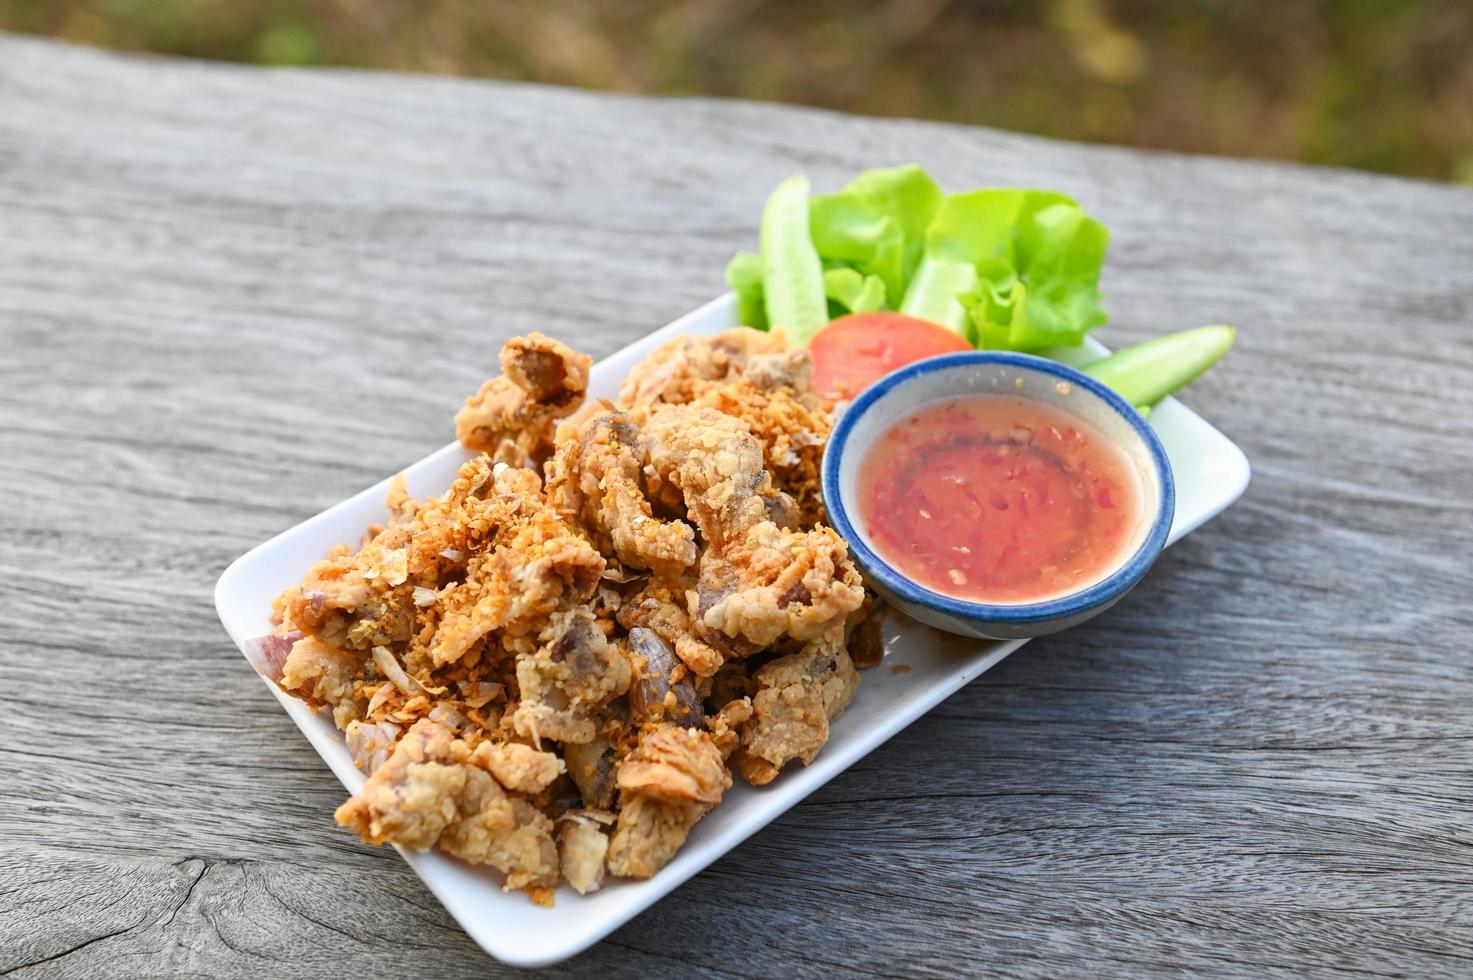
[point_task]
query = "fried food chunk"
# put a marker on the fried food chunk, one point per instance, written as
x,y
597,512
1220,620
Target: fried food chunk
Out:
x,y
726,725
598,469
797,696
672,779
567,678
435,790
749,376
715,463
774,396
359,601
681,367
675,764
648,834
661,606
757,581
546,669
320,675
775,583
446,531
538,566
353,600
507,832
522,768
582,849
662,688
413,796
512,417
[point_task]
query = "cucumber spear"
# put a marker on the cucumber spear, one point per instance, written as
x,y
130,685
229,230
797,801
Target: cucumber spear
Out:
x,y
792,274
1146,373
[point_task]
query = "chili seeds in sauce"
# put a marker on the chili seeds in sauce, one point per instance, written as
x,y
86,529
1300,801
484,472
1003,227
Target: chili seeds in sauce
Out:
x,y
998,499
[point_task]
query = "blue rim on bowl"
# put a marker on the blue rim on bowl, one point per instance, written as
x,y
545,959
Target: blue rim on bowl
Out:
x,y
1101,593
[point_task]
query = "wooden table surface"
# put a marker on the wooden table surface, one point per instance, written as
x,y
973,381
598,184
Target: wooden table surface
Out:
x,y
231,297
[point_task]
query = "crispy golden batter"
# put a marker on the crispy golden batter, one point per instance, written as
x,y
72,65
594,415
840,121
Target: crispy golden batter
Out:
x,y
749,376
537,564
681,368
572,673
546,669
512,417
435,790
675,764
758,582
661,607
775,583
797,696
522,768
598,475
671,780
583,849
774,396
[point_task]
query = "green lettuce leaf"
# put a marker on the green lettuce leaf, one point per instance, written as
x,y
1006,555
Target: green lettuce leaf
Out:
x,y
850,291
877,224
1036,259
1008,268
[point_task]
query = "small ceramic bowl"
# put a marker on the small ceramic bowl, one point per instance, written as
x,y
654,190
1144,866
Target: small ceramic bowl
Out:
x,y
901,392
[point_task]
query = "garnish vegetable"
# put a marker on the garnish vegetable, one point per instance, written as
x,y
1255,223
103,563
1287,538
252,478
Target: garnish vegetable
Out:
x,y
1148,372
792,278
1012,269
1001,268
1008,269
856,350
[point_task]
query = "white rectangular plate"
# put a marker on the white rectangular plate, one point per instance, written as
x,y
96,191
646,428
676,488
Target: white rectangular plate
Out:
x,y
1211,472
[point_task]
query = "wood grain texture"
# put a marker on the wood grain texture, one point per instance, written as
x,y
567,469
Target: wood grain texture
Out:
x,y
231,297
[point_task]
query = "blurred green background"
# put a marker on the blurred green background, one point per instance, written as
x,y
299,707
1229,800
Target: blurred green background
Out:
x,y
1383,85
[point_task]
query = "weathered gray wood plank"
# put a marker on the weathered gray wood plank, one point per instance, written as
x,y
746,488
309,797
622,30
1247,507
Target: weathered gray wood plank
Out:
x,y
230,297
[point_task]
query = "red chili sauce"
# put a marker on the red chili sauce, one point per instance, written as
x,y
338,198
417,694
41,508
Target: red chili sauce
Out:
x,y
998,499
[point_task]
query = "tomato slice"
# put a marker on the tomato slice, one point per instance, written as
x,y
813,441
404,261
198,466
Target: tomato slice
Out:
x,y
854,351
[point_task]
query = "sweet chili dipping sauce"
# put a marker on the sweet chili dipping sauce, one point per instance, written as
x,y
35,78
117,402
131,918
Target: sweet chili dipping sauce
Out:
x,y
999,499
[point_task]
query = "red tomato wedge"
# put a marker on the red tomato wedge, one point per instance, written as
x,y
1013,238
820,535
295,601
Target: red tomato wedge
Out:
x,y
855,351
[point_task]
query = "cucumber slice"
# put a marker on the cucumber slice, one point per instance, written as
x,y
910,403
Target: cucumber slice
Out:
x,y
792,275
1146,373
934,290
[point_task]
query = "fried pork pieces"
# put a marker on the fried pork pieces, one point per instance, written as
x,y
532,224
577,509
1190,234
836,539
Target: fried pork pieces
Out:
x,y
553,668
